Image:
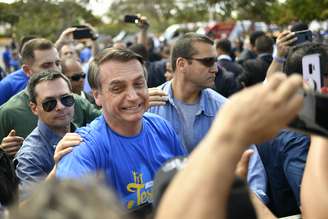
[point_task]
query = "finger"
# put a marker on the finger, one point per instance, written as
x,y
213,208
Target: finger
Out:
x,y
13,139
286,37
10,145
12,150
158,98
156,92
274,82
66,144
156,103
60,154
242,166
12,132
289,42
289,87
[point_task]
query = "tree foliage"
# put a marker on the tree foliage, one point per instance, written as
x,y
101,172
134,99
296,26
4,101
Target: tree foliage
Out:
x,y
45,18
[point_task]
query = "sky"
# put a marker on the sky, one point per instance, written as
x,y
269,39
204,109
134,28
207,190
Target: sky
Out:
x,y
98,7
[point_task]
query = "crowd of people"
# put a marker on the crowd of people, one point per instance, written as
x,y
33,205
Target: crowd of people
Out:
x,y
126,132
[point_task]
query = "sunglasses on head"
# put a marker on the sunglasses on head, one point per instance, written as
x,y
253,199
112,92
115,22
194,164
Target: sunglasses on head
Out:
x,y
207,61
51,103
77,77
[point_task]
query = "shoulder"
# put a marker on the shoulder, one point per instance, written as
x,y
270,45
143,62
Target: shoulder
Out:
x,y
213,96
93,130
156,122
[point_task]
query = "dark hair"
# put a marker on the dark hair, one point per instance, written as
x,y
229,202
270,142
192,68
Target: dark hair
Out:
x,y
264,44
116,54
294,58
183,47
8,180
23,41
254,36
140,49
224,45
48,75
32,45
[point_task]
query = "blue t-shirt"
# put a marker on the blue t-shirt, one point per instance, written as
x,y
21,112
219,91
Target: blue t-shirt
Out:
x,y
128,163
12,84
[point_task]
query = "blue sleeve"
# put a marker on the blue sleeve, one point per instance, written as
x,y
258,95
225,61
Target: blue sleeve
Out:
x,y
80,162
5,91
294,163
257,178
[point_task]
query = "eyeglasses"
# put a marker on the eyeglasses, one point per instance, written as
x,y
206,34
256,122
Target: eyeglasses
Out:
x,y
77,77
51,103
207,61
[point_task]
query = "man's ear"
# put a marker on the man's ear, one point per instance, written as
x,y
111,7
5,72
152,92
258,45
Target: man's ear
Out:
x,y
181,63
34,108
97,95
27,70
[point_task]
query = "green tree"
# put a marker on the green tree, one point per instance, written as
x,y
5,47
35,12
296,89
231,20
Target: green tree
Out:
x,y
46,18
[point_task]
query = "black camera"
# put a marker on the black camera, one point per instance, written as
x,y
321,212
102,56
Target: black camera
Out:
x,y
84,32
131,19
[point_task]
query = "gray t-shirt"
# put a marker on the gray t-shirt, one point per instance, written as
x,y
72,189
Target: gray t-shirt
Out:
x,y
188,112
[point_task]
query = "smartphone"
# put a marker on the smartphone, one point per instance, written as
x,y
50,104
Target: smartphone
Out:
x,y
131,19
82,33
311,67
303,36
312,119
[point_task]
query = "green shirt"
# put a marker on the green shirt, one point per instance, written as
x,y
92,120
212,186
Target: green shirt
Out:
x,y
16,114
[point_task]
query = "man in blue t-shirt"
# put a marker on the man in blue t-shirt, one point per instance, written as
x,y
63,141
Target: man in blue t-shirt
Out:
x,y
125,143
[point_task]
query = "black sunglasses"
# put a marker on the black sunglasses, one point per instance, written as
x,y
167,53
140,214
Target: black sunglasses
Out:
x,y
207,61
50,103
77,77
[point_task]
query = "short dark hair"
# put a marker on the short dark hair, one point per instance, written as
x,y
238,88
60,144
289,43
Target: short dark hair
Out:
x,y
67,62
254,35
48,75
32,45
108,54
294,58
140,49
183,47
224,45
264,44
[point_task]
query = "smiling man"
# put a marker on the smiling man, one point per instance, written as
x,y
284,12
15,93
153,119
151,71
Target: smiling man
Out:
x,y
125,143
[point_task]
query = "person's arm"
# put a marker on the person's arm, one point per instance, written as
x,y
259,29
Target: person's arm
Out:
x,y
284,41
262,210
143,35
64,146
314,190
210,170
65,37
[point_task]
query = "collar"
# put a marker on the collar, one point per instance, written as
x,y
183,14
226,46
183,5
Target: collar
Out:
x,y
225,57
205,105
50,135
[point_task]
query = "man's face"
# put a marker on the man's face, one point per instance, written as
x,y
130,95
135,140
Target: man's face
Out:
x,y
68,51
75,73
123,94
61,116
45,60
202,67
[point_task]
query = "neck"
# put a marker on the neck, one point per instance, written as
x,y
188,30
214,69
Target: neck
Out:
x,y
125,129
62,130
184,91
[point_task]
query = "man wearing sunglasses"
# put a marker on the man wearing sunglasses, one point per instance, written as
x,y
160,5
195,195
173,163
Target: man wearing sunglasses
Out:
x,y
192,104
126,143
16,118
72,68
52,101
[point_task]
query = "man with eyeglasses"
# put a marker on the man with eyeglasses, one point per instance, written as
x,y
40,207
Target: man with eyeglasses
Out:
x,y
192,104
52,101
72,68
16,118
